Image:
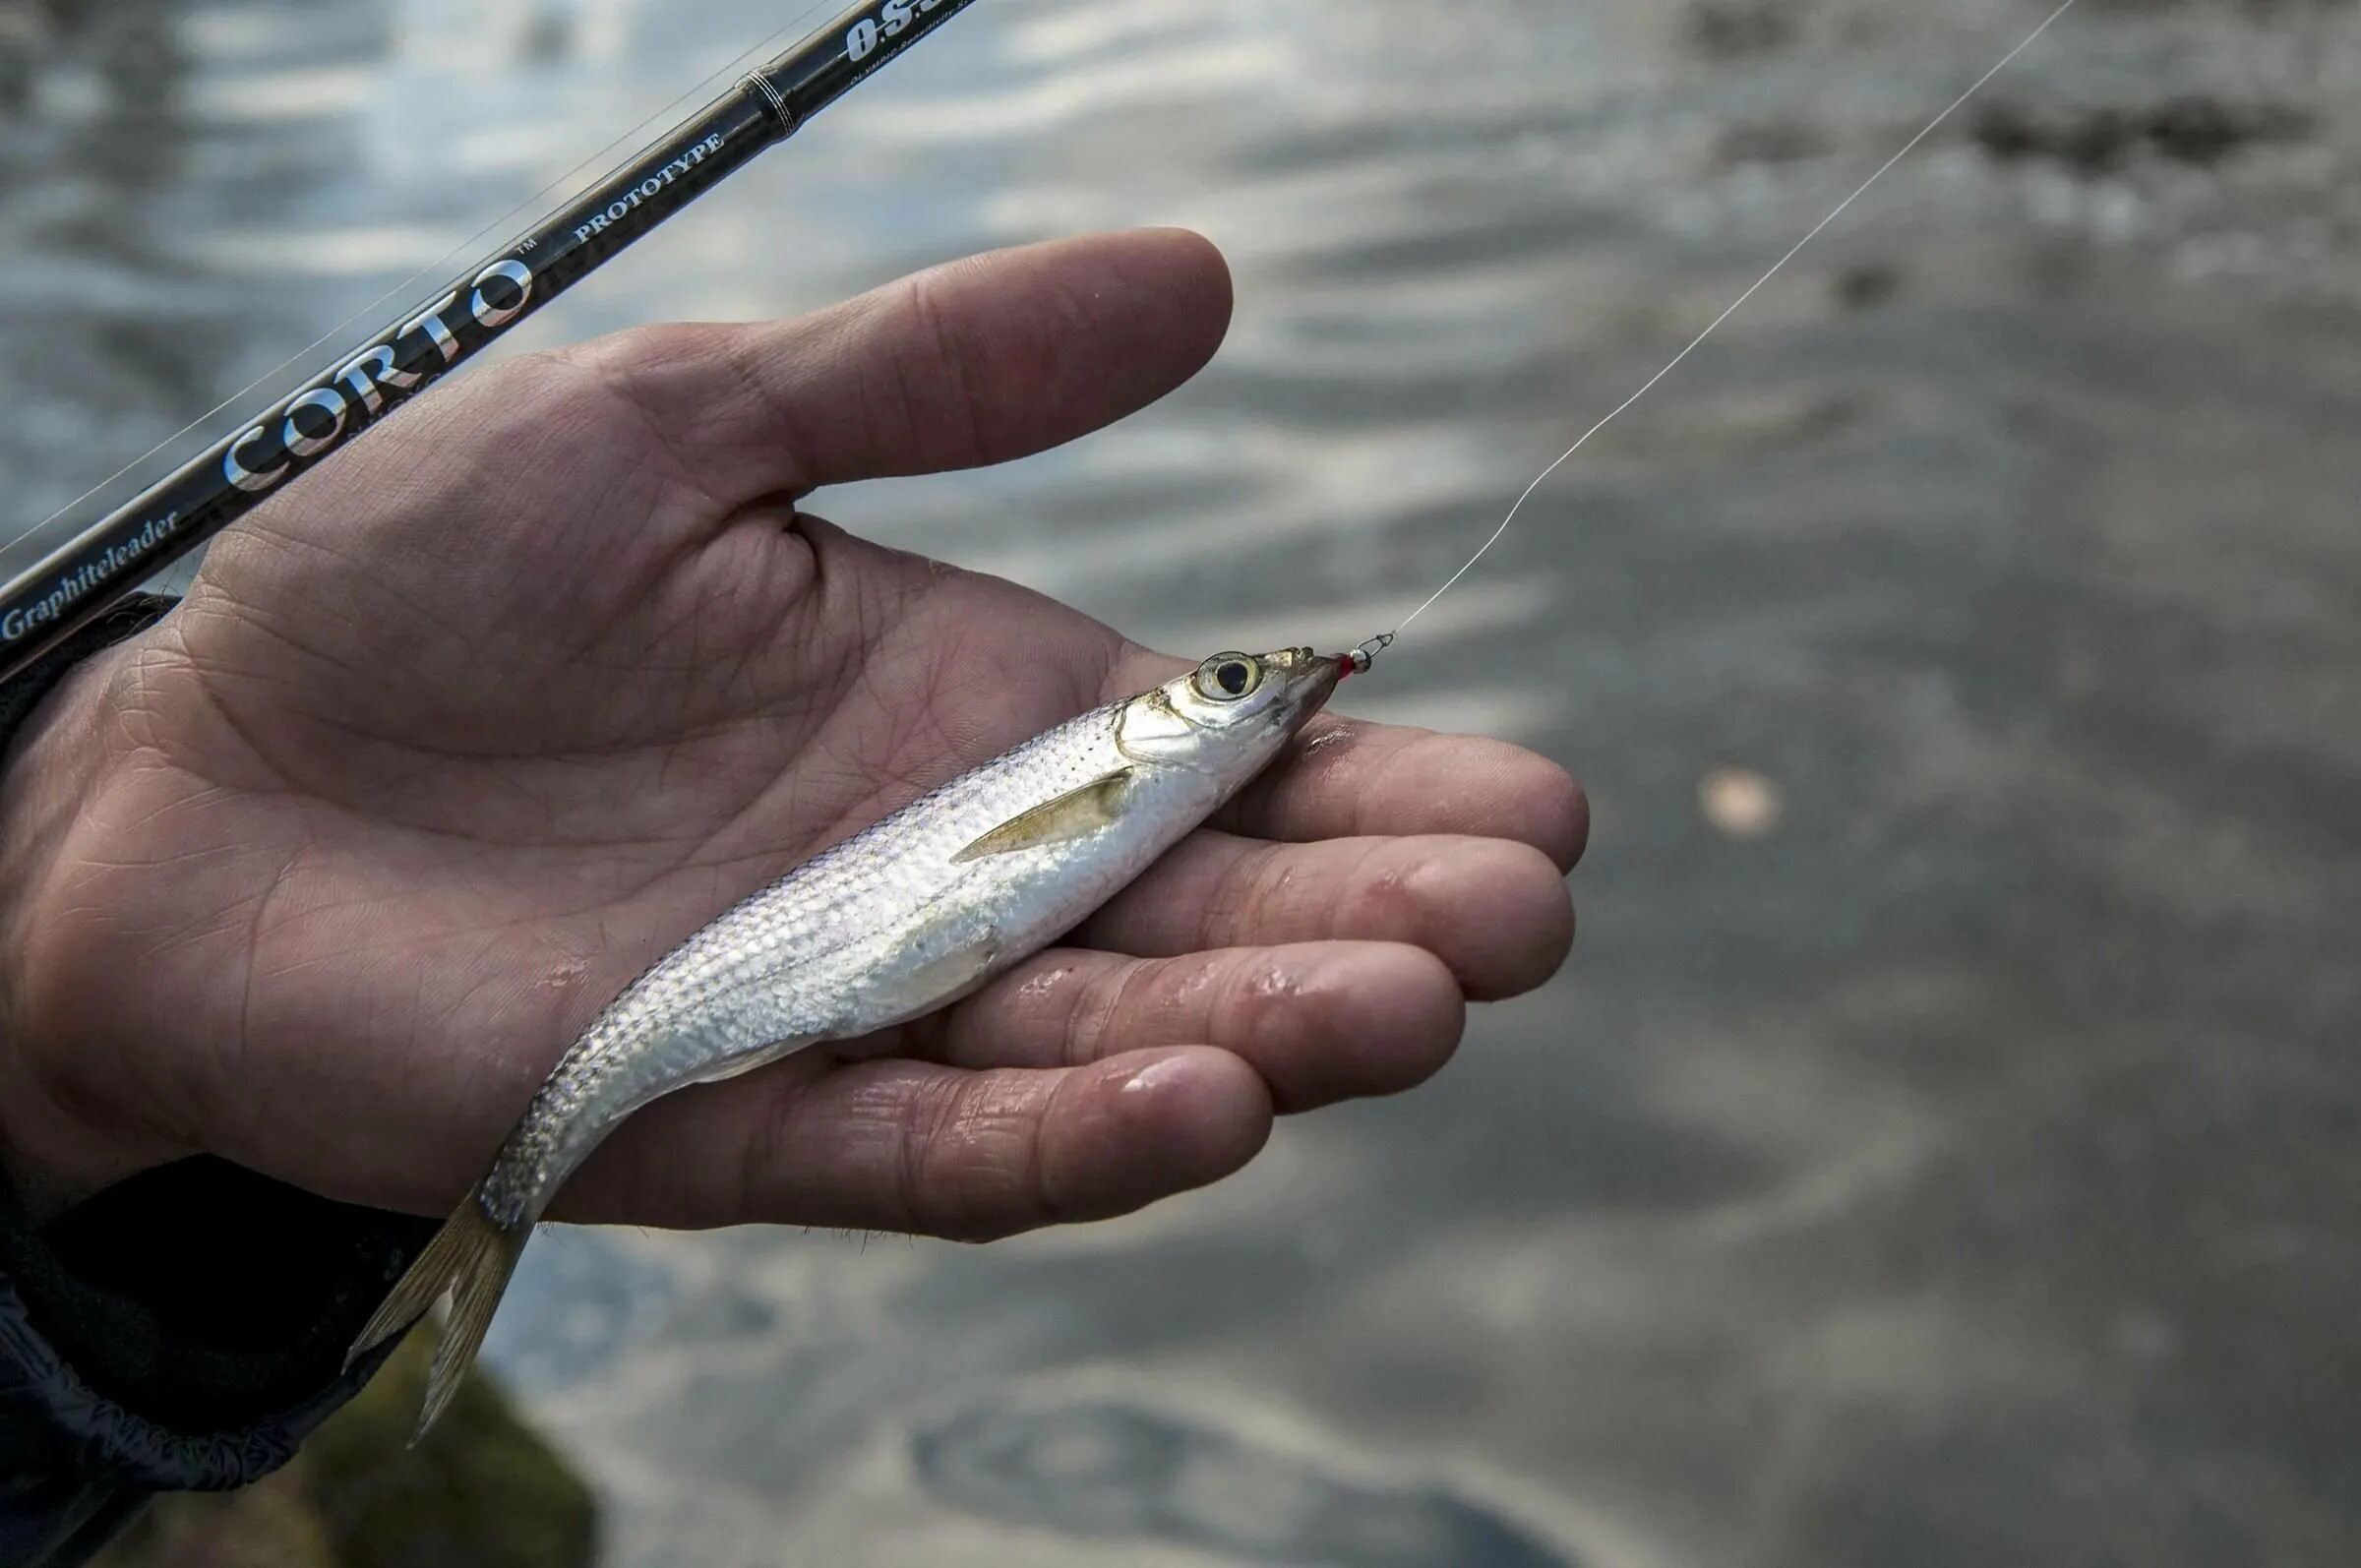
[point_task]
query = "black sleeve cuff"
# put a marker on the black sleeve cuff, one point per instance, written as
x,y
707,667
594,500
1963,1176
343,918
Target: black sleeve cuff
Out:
x,y
184,1328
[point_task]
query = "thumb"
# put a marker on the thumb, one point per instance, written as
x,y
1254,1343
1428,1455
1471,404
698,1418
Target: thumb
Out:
x,y
975,362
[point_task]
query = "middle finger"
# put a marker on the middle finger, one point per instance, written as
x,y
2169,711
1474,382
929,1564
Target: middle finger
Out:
x,y
1496,912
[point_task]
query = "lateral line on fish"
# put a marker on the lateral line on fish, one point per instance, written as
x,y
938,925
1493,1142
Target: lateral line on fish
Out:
x,y
1732,309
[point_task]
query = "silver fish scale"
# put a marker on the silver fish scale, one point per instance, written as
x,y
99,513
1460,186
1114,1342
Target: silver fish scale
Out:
x,y
878,929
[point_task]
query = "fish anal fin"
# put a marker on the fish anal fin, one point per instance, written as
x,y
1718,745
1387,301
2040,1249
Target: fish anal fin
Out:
x,y
741,1065
937,983
1077,814
947,976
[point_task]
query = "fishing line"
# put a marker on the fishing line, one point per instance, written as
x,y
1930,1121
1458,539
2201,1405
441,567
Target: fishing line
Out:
x,y
569,180
1776,266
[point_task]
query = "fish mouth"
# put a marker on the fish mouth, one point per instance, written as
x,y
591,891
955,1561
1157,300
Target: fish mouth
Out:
x,y
1309,678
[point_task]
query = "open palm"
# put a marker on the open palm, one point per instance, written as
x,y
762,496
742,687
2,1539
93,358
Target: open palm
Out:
x,y
447,744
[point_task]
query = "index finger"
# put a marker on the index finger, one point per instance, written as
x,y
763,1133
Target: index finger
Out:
x,y
1348,778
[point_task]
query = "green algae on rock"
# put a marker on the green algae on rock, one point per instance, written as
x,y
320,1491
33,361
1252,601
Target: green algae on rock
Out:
x,y
483,1490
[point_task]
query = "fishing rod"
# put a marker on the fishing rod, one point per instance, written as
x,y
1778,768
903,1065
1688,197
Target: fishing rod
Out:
x,y
79,581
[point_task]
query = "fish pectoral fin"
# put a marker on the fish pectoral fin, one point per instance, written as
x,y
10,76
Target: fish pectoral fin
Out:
x,y
1077,814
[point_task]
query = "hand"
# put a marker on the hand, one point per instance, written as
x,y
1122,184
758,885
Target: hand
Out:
x,y
448,742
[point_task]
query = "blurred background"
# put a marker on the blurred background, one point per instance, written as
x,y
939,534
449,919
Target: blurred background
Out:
x,y
1945,1145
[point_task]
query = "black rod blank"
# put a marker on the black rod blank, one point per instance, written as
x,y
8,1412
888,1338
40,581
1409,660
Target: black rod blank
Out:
x,y
81,580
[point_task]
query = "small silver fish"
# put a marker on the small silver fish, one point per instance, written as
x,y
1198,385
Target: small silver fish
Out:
x,y
902,918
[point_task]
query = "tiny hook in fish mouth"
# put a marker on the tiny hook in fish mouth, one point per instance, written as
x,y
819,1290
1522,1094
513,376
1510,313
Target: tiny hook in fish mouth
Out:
x,y
1358,661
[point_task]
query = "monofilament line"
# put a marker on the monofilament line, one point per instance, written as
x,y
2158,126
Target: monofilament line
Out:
x,y
1776,266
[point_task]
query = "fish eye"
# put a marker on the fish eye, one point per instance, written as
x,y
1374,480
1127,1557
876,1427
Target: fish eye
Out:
x,y
1227,677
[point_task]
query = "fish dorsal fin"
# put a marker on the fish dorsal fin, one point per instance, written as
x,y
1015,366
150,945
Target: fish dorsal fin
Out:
x,y
1077,814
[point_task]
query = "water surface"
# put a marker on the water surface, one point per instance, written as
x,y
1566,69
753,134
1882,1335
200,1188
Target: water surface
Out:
x,y
1942,1148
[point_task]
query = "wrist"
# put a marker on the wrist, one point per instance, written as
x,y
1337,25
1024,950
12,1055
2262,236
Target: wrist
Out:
x,y
53,763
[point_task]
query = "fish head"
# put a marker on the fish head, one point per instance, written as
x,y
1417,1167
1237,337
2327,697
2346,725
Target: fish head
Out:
x,y
1232,713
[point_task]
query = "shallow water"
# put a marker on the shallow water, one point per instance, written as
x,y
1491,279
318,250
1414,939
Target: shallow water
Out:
x,y
1941,1147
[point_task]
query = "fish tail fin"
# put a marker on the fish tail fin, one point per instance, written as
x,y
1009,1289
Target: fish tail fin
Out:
x,y
471,1257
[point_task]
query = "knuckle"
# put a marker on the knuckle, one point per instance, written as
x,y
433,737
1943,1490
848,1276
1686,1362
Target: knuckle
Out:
x,y
637,374
560,391
1097,1021
1042,1202
978,1167
935,388
1256,1001
633,352
1386,891
917,1204
1257,882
